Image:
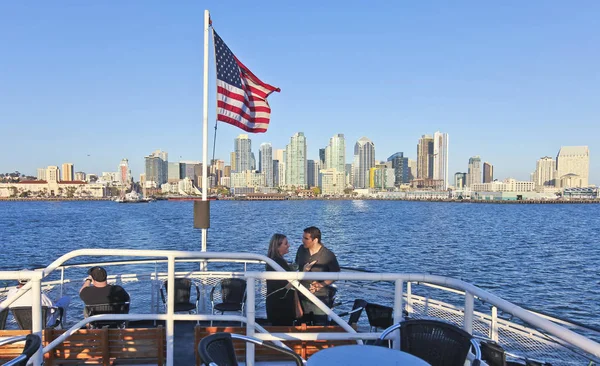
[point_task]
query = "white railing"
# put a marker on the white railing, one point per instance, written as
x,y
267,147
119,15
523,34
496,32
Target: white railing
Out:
x,y
398,279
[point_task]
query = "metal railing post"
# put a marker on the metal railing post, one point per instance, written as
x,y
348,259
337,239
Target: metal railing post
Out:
x,y
494,324
62,280
397,310
250,315
409,303
36,316
170,310
469,305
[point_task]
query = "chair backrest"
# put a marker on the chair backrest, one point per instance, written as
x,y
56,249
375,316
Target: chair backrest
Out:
x,y
380,316
3,316
217,348
183,287
22,315
233,290
439,343
113,308
357,309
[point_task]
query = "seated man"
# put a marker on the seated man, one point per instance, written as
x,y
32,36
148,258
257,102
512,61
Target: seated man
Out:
x,y
26,299
96,290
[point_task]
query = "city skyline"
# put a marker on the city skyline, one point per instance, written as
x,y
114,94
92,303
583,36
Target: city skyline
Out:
x,y
511,87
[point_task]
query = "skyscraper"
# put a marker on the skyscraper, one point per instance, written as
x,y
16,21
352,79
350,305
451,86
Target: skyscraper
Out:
x,y
488,172
124,172
243,153
295,155
335,153
279,156
174,172
474,174
364,159
440,157
265,158
425,157
545,170
41,174
322,158
400,166
312,173
156,169
574,160
460,180
68,172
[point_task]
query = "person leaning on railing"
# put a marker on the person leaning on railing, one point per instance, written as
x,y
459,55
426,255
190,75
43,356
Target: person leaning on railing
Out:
x,y
95,290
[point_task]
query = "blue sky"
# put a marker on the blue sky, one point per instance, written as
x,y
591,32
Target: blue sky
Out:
x,y
94,82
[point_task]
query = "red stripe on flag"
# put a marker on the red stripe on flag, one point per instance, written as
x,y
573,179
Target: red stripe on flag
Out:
x,y
239,124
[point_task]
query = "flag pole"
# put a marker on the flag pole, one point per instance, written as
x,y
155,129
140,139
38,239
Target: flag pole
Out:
x,y
205,123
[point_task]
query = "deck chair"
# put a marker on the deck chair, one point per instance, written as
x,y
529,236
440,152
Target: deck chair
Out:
x,y
437,342
114,308
183,294
32,344
233,295
217,349
3,316
22,315
379,316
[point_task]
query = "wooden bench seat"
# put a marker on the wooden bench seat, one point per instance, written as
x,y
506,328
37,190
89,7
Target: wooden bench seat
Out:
x,y
303,348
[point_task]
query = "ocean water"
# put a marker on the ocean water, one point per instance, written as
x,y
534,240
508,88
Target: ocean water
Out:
x,y
546,257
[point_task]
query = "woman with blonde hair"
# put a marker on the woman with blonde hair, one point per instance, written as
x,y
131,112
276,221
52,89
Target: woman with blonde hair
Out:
x,y
282,302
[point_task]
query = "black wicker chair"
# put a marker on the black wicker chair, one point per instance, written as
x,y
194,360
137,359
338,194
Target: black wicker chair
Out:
x,y
114,308
32,344
380,316
217,349
183,294
22,315
233,295
437,342
3,316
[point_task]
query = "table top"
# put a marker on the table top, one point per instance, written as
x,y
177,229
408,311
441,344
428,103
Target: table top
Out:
x,y
355,355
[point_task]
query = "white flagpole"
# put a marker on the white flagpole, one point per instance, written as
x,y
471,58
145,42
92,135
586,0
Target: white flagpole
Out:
x,y
205,122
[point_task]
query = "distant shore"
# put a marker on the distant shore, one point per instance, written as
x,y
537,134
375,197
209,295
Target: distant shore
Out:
x,y
521,202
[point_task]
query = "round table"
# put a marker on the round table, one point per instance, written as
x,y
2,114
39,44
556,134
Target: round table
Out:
x,y
355,355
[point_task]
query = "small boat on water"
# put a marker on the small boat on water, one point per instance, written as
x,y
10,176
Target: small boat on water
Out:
x,y
133,197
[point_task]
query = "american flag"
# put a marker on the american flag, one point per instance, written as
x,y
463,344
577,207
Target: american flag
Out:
x,y
241,96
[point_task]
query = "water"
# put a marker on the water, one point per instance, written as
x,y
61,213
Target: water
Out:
x,y
542,256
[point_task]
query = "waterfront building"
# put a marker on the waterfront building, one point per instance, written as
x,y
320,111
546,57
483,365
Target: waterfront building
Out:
x,y
80,176
227,171
217,168
243,153
52,174
226,181
68,172
440,157
279,155
488,172
41,174
174,172
572,166
335,153
545,170
265,158
157,168
312,173
348,174
425,157
295,154
382,177
401,170
332,182
508,185
232,159
364,160
412,169
460,180
474,175
124,172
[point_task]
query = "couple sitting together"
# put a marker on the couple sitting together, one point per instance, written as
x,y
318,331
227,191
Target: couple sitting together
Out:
x,y
285,306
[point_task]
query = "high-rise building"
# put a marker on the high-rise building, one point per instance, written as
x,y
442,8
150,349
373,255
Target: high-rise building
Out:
x,y
265,158
400,166
243,153
322,157
41,174
488,172
575,162
474,175
460,180
52,174
412,169
68,172
440,157
312,173
425,157
124,171
232,158
335,153
364,160
545,170
174,172
295,155
279,173
157,169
